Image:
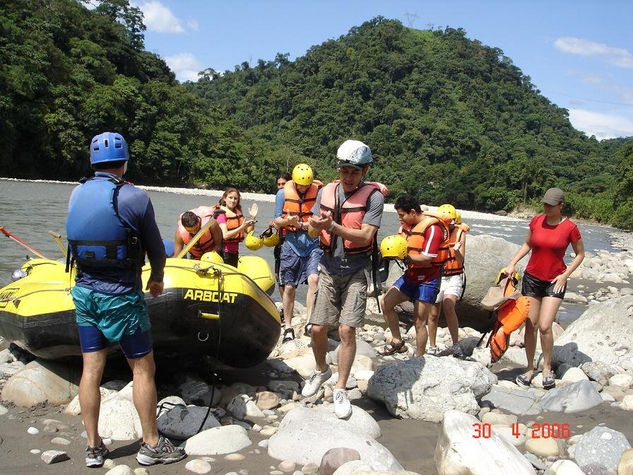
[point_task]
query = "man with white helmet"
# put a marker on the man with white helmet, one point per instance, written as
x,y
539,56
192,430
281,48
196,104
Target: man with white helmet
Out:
x,y
110,227
300,254
346,217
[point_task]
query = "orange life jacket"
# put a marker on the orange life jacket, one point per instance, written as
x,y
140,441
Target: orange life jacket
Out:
x,y
299,205
510,316
205,243
233,220
415,237
452,266
350,214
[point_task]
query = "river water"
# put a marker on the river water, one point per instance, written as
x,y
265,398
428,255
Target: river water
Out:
x,y
29,209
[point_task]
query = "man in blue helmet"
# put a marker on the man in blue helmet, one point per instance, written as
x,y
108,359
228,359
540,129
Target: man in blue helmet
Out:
x,y
110,227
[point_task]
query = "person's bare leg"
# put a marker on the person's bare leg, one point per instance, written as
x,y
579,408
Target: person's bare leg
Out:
x,y
313,285
531,327
549,308
89,394
448,304
144,395
319,345
346,353
392,298
422,310
288,302
434,316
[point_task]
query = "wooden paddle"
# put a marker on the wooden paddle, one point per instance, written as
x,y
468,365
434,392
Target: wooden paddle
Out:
x,y
10,235
195,239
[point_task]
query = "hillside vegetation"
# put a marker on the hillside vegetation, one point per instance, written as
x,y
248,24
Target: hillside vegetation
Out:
x,y
448,119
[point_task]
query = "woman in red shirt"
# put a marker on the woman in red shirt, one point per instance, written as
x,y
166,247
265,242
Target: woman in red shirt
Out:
x,y
545,278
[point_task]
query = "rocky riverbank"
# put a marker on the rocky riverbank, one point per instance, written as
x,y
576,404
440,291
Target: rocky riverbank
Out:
x,y
425,415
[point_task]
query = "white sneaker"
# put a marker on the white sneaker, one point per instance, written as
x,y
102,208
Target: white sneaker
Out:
x,y
342,406
316,380
433,350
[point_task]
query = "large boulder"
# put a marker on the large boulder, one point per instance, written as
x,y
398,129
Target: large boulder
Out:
x,y
305,435
575,397
459,452
603,446
425,388
604,332
42,381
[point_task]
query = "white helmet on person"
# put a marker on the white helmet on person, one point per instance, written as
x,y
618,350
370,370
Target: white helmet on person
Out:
x,y
354,153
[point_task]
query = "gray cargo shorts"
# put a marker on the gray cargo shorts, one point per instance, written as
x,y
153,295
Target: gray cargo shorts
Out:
x,y
344,295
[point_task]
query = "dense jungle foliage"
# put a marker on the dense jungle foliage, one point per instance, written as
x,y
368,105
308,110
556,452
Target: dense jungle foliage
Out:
x,y
448,119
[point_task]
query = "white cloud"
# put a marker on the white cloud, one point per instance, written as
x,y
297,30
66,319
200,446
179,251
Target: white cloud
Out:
x,y
193,25
184,65
617,56
603,126
157,17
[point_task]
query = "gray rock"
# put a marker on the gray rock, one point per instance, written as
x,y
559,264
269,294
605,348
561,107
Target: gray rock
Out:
x,y
42,381
516,401
575,397
218,440
595,469
425,388
591,337
183,422
334,458
54,456
305,435
601,446
458,452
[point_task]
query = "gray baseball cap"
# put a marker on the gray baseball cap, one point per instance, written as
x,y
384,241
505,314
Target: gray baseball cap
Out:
x,y
554,196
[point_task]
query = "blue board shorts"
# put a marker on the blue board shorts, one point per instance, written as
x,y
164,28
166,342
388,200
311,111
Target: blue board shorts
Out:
x,y
294,269
104,318
424,292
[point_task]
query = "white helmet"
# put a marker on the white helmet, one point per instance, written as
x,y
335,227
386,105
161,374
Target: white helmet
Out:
x,y
353,153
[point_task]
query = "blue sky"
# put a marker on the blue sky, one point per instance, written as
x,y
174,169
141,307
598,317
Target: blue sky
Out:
x,y
578,53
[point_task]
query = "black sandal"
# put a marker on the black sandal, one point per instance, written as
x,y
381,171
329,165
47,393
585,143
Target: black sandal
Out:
x,y
289,335
391,348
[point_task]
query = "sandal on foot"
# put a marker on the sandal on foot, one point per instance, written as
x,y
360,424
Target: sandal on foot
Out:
x,y
548,380
526,378
289,335
391,348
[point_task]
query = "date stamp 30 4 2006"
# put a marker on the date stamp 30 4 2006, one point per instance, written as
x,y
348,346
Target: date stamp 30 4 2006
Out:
x,y
483,430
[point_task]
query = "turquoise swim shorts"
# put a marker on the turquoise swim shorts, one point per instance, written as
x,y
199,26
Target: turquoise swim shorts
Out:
x,y
116,316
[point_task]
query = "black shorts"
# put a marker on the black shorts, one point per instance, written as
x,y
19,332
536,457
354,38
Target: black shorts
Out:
x,y
533,287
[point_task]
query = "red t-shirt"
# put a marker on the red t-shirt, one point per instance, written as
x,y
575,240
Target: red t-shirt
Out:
x,y
433,238
549,244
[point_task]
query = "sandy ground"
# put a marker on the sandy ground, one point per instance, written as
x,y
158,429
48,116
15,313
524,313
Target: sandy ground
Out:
x,y
412,442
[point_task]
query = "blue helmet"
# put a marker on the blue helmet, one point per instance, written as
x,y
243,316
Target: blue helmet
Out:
x,y
108,147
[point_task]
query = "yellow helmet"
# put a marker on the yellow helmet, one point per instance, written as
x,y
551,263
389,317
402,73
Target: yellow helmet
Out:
x,y
271,239
302,174
448,210
458,217
394,247
213,257
253,242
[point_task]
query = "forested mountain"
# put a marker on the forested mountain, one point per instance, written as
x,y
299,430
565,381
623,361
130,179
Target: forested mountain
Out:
x,y
448,119
67,73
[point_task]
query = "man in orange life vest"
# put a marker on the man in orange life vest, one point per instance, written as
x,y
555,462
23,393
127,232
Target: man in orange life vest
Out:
x,y
346,217
421,280
300,254
189,223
